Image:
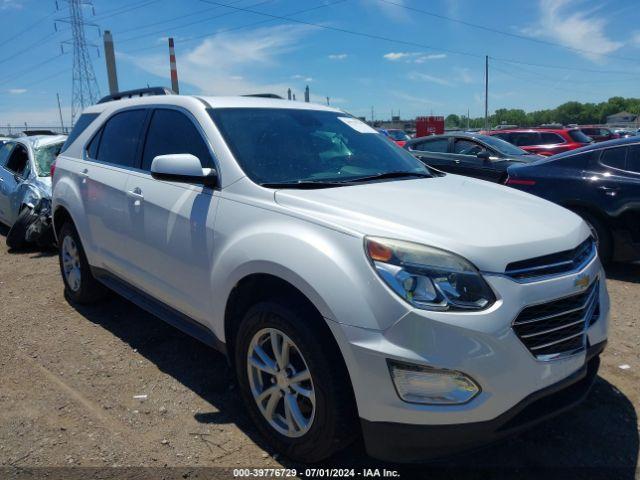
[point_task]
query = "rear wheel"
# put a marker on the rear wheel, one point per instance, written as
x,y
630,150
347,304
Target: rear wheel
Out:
x,y
292,382
80,285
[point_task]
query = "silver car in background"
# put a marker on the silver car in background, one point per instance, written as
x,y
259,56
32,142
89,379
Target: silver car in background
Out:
x,y
25,179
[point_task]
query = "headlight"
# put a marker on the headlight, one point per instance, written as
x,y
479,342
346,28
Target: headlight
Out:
x,y
434,386
427,277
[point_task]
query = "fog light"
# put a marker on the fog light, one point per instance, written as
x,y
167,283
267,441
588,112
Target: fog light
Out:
x,y
428,385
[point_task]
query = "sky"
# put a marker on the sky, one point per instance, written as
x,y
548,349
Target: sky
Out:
x,y
407,57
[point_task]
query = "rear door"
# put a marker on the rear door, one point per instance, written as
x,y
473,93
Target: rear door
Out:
x,y
611,180
111,155
172,223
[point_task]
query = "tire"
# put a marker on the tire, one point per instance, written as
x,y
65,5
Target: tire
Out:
x,y
80,287
602,235
332,424
16,238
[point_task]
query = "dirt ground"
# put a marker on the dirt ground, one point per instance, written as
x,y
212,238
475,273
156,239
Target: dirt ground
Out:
x,y
112,386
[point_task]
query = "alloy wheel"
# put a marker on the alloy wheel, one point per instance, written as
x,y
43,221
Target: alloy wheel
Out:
x,y
71,263
281,382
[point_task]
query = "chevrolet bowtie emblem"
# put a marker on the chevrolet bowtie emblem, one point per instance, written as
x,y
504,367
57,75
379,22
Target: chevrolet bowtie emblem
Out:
x,y
582,281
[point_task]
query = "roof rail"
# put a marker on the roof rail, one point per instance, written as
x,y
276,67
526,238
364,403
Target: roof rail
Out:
x,y
264,95
140,92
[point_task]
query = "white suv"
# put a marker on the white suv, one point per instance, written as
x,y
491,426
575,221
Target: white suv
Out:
x,y
354,291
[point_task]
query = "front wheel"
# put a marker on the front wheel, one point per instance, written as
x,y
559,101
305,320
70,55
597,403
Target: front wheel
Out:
x,y
79,284
17,236
296,390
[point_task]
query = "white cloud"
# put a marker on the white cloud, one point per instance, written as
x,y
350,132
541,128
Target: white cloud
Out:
x,y
302,77
393,12
569,23
413,98
464,75
635,39
11,4
429,78
413,57
17,91
338,56
234,63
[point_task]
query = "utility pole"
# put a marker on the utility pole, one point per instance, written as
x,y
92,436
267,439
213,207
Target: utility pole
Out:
x,y
172,65
60,112
84,87
306,94
327,100
110,59
486,92
467,118
371,114
289,93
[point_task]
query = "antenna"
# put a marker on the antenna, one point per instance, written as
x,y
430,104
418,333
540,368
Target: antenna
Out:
x,y
84,86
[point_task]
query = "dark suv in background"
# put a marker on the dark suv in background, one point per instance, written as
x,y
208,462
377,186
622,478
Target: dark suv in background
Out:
x,y
599,134
544,141
601,183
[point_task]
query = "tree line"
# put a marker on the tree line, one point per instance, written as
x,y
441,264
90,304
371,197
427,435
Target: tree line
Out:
x,y
567,113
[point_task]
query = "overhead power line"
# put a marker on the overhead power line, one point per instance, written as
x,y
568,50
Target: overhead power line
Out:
x,y
508,34
26,29
413,44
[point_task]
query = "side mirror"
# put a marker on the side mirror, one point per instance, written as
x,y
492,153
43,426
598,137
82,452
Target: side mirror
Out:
x,y
182,167
484,155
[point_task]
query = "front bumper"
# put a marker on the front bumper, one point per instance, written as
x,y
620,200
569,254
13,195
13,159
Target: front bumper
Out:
x,y
413,443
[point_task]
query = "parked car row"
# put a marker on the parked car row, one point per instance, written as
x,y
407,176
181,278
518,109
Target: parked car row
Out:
x,y
356,291
598,181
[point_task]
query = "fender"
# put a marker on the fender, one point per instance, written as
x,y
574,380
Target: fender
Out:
x,y
327,266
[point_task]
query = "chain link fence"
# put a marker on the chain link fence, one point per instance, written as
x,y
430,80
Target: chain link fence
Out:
x,y
18,129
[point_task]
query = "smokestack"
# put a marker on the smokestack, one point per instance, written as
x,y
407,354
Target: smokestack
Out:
x,y
289,94
174,69
110,59
306,94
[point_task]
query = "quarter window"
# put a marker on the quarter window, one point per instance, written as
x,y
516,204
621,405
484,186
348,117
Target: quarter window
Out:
x,y
171,131
119,138
614,157
440,145
81,125
633,159
525,139
5,150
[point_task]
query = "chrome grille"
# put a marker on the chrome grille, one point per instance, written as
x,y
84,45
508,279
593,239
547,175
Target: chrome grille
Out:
x,y
554,264
558,327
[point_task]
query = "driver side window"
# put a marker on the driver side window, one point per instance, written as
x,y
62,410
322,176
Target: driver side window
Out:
x,y
467,147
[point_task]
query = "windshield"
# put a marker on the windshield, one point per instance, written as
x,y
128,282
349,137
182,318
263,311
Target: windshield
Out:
x,y
281,145
398,135
44,157
502,146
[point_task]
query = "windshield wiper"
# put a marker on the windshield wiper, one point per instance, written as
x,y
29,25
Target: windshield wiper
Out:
x,y
386,175
303,184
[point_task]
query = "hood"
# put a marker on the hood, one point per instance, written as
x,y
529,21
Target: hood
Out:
x,y
489,224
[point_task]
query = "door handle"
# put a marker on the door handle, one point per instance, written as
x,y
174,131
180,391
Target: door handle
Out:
x,y
84,173
136,194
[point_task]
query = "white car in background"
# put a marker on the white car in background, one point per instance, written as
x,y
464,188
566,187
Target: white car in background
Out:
x,y
355,292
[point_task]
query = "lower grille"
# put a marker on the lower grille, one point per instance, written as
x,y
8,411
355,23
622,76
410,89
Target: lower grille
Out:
x,y
558,328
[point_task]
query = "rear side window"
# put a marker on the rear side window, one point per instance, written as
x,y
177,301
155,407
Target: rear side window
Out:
x,y
614,157
580,161
548,138
171,131
525,139
81,125
120,138
440,145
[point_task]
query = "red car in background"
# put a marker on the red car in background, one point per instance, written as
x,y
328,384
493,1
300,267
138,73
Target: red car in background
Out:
x,y
396,135
599,134
544,141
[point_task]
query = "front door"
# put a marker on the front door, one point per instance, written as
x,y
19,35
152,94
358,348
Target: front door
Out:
x,y
172,223
12,174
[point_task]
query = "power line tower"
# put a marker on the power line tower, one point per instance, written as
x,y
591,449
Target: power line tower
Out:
x,y
84,86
